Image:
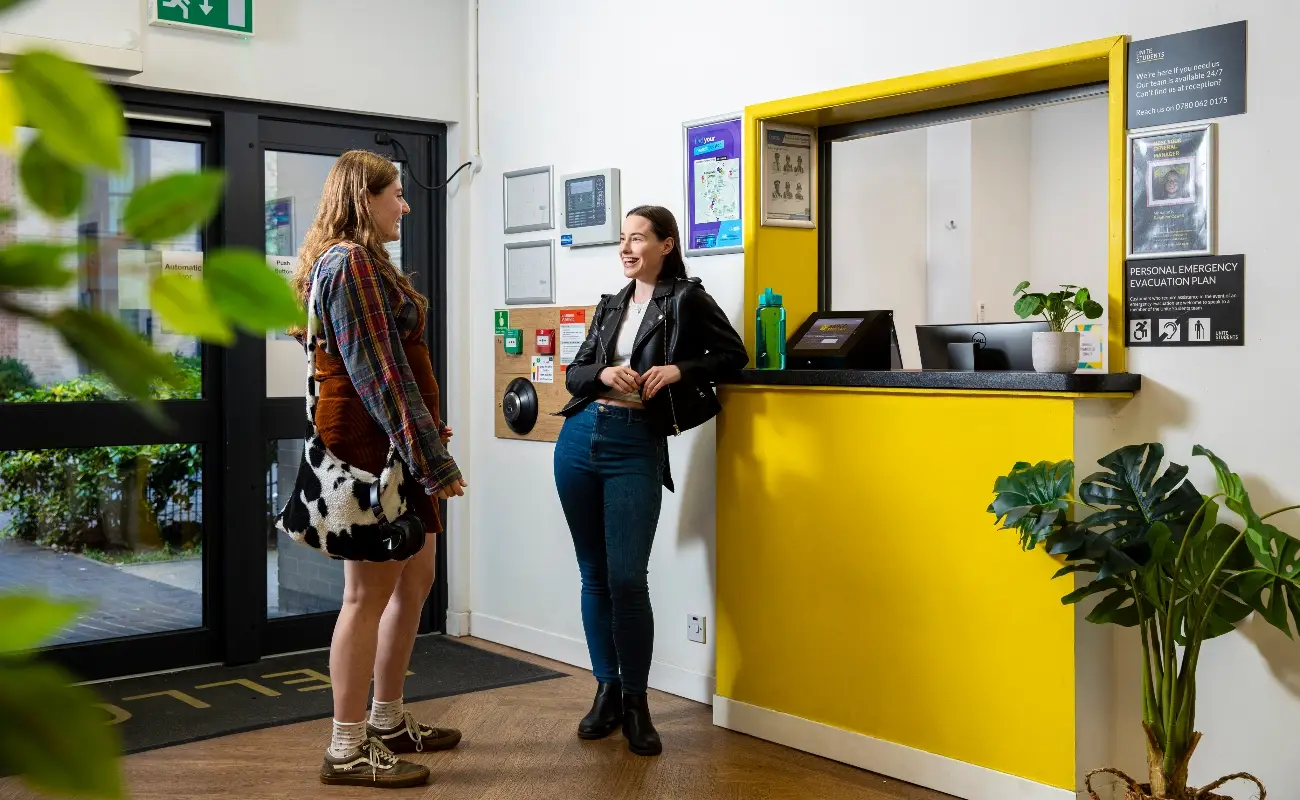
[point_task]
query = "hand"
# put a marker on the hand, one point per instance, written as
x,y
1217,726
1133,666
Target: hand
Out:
x,y
456,489
623,379
657,378
445,434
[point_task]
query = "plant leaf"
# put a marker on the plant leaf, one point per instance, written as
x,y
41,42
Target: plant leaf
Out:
x,y
11,113
1092,309
80,119
1082,297
1032,500
1023,285
54,735
186,306
108,346
1030,305
173,205
5,5
249,293
52,184
31,265
1116,608
29,620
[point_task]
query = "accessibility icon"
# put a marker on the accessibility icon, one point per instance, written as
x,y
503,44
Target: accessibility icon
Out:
x,y
1139,330
1198,329
1170,330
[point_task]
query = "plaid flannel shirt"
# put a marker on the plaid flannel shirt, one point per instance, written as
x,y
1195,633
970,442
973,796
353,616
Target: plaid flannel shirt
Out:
x,y
365,320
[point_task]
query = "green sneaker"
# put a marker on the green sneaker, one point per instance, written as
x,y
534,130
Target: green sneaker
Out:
x,y
373,765
409,736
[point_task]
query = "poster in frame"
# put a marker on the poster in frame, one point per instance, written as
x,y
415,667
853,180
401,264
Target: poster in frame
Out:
x,y
788,190
712,182
1171,205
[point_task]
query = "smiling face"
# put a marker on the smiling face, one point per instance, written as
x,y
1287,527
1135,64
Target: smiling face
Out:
x,y
1171,183
641,251
387,209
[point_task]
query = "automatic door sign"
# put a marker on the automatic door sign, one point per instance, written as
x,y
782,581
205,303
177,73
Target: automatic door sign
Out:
x,y
1185,302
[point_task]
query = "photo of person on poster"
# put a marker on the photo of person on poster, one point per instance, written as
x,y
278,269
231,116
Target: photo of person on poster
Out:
x,y
1171,192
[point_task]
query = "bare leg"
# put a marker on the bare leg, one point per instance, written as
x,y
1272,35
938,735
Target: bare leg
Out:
x,y
367,587
401,620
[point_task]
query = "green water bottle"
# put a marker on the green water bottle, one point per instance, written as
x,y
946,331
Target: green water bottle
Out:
x,y
769,332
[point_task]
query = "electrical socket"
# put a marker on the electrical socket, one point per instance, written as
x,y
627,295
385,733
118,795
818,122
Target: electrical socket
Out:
x,y
695,628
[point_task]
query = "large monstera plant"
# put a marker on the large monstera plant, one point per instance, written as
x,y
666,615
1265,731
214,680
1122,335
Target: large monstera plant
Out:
x,y
1161,559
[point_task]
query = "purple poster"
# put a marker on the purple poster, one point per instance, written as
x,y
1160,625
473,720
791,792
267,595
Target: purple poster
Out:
x,y
713,222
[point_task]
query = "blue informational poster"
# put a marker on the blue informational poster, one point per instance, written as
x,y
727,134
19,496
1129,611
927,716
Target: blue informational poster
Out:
x,y
713,186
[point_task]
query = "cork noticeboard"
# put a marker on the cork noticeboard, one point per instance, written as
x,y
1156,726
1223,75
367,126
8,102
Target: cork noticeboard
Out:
x,y
570,325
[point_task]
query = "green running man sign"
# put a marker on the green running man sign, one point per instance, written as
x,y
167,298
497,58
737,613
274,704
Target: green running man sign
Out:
x,y
230,17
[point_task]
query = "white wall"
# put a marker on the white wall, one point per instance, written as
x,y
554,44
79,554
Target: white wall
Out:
x,y
402,58
545,104
1067,218
949,239
878,233
1000,204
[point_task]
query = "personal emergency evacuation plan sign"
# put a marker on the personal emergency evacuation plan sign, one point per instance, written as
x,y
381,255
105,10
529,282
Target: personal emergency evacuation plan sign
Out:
x,y
1185,302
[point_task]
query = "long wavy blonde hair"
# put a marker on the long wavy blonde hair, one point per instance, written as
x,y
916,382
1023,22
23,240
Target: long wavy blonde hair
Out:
x,y
344,216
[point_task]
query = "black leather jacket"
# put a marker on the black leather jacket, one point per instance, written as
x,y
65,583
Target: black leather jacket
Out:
x,y
683,326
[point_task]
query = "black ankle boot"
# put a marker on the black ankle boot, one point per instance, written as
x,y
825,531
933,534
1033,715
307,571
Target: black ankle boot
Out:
x,y
606,714
642,738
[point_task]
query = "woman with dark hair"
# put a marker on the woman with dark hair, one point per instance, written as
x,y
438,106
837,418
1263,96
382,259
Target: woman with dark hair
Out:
x,y
645,371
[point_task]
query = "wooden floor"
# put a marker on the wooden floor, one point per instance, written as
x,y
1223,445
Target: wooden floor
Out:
x,y
519,745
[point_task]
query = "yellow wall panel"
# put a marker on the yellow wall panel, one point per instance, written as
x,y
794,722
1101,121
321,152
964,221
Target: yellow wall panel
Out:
x,y
862,585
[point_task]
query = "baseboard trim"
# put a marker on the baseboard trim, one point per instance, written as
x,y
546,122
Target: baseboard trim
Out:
x,y
663,677
458,623
884,758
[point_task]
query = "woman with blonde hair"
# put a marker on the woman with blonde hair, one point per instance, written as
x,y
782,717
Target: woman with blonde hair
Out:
x,y
375,391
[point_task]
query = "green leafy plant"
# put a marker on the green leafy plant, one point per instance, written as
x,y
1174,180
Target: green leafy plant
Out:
x,y
14,377
79,128
51,732
71,499
1058,308
1162,561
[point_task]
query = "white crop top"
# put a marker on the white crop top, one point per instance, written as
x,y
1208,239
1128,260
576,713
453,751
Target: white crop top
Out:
x,y
627,331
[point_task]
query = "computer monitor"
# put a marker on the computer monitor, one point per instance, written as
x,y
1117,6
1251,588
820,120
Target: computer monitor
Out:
x,y
1003,346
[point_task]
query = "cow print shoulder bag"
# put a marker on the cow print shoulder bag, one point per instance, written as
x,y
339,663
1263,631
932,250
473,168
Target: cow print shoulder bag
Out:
x,y
338,509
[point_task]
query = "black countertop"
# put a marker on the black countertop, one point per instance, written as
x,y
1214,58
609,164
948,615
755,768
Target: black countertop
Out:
x,y
1080,383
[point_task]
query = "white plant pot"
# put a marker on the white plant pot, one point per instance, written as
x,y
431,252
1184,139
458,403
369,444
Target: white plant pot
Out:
x,y
1056,352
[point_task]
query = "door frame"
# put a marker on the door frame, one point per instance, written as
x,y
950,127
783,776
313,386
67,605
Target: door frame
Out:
x,y
235,420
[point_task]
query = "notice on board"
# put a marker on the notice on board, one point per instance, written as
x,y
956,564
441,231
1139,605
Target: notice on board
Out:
x,y
543,370
573,330
1187,76
1185,302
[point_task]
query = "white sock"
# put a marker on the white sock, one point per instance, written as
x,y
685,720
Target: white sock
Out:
x,y
385,714
347,738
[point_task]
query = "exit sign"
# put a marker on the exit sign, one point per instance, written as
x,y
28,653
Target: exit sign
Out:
x,y
231,17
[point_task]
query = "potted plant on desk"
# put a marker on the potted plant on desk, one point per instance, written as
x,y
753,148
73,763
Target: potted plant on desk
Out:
x,y
1163,562
1056,350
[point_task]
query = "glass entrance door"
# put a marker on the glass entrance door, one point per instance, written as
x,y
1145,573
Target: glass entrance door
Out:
x,y
167,535
304,590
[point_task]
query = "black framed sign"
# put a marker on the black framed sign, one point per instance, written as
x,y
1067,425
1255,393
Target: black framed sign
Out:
x,y
1187,76
1171,198
1185,302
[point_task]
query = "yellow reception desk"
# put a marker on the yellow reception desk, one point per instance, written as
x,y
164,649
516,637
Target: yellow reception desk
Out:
x,y
867,609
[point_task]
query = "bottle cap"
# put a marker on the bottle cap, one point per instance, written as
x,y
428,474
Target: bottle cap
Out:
x,y
767,298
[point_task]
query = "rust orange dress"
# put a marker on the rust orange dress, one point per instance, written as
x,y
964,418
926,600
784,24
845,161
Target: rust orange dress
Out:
x,y
374,377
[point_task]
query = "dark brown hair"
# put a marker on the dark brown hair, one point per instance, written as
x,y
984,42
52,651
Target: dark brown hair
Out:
x,y
664,224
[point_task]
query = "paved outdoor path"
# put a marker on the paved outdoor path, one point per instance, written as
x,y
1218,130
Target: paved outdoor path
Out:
x,y
122,604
